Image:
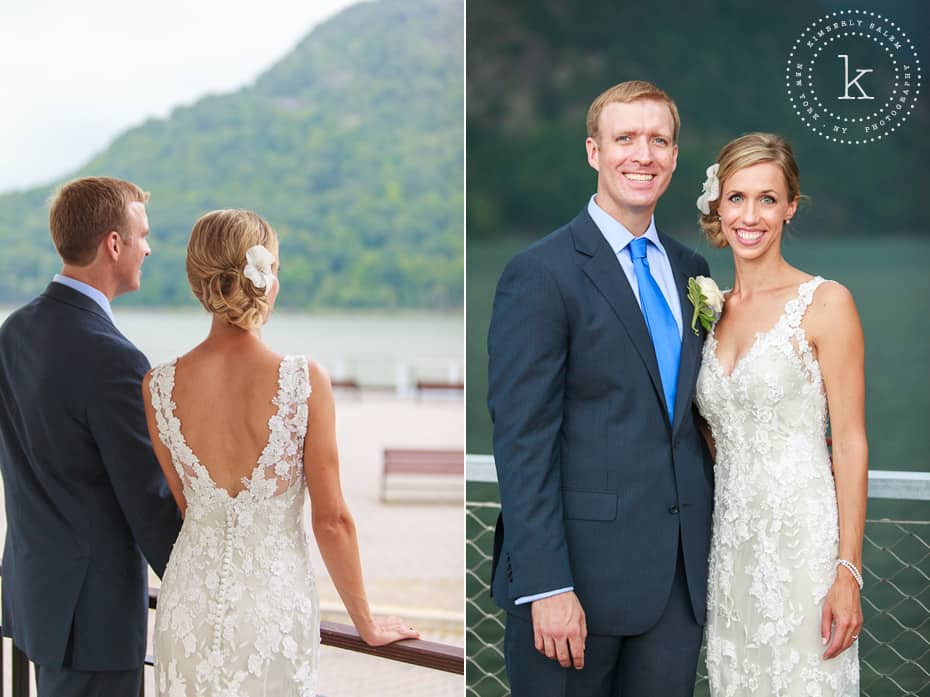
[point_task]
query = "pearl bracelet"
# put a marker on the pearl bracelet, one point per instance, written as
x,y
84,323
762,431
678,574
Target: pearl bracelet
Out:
x,y
852,569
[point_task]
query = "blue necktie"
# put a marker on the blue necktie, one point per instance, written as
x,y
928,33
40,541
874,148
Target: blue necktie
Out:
x,y
661,323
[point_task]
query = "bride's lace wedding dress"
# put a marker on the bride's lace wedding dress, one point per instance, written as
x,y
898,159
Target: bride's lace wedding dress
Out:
x,y
775,530
237,612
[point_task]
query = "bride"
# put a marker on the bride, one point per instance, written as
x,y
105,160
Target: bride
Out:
x,y
240,432
785,358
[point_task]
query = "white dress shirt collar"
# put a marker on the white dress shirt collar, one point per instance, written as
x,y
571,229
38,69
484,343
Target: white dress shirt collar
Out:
x,y
84,289
619,238
616,234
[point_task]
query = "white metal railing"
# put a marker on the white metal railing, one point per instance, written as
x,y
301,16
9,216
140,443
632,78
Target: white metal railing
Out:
x,y
894,650
883,484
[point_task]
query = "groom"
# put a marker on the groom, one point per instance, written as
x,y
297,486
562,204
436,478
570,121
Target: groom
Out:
x,y
83,490
606,485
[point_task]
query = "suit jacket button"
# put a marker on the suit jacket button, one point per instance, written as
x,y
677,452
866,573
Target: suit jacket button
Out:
x,y
673,509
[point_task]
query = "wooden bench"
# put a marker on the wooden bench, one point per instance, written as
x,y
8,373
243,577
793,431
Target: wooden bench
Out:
x,y
442,390
421,475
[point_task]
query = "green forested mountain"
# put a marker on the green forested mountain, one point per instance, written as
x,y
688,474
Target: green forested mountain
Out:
x,y
351,146
535,66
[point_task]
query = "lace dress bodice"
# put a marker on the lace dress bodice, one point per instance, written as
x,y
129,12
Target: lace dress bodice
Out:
x,y
775,528
237,611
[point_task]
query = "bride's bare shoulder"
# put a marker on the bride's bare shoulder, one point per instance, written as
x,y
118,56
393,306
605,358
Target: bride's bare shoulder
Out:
x,y
832,313
320,383
832,296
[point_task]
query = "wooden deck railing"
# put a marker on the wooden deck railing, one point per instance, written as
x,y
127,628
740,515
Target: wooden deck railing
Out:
x,y
426,654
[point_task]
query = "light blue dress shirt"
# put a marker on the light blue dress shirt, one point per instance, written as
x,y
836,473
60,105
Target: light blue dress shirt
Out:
x,y
619,238
87,290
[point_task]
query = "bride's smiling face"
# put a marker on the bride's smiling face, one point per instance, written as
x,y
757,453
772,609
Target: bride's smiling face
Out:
x,y
754,205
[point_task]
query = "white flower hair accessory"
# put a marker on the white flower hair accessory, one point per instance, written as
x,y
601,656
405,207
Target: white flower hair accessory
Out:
x,y
258,263
711,187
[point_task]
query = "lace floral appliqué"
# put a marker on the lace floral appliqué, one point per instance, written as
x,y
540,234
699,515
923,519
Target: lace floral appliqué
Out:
x,y
237,612
775,530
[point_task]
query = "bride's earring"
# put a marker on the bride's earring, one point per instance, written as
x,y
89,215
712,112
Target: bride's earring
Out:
x,y
787,221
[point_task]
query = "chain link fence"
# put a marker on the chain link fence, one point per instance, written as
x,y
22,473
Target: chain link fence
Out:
x,y
894,646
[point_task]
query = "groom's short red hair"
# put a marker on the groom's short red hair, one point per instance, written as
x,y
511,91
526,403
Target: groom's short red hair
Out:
x,y
84,210
630,91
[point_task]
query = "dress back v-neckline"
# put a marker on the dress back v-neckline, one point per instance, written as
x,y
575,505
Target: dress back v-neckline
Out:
x,y
277,464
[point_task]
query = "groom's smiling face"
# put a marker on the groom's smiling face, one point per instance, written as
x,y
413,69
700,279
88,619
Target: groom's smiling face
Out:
x,y
634,153
134,249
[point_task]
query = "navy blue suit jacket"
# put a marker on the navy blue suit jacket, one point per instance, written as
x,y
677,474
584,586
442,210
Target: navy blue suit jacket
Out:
x,y
597,487
82,487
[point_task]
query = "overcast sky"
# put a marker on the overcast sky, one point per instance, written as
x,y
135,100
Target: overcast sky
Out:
x,y
73,75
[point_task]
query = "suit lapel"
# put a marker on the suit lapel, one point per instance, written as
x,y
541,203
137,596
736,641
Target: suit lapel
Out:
x,y
691,344
605,272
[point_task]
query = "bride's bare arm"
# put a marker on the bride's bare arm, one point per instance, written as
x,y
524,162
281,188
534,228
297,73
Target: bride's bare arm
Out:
x,y
704,427
333,525
161,452
836,334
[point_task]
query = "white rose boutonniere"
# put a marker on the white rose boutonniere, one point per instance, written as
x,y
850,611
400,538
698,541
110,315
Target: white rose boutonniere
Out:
x,y
258,265
707,300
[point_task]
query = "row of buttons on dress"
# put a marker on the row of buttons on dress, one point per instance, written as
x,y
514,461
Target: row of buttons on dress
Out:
x,y
219,609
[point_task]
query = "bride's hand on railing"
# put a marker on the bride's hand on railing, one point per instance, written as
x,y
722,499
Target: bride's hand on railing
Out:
x,y
386,630
842,611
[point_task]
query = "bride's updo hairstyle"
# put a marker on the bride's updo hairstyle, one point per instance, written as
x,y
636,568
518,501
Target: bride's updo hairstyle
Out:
x,y
745,151
216,258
